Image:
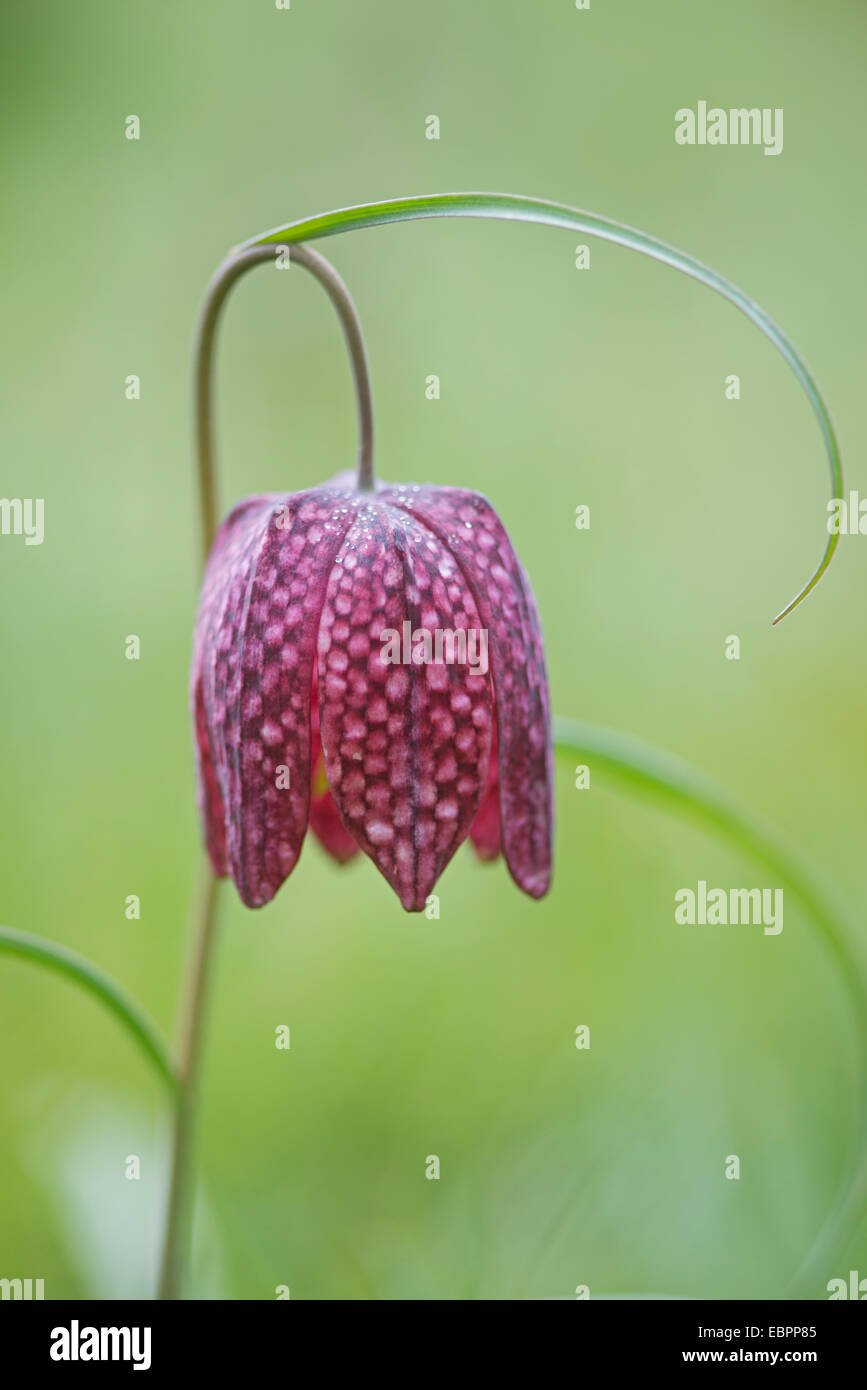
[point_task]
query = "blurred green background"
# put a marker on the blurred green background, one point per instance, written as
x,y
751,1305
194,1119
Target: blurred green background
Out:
x,y
606,387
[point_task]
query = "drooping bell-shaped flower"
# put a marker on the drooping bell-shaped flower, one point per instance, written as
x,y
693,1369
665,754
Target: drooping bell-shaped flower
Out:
x,y
390,635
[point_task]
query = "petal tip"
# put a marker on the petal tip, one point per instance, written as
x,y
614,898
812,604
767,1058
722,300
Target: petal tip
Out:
x,y
535,885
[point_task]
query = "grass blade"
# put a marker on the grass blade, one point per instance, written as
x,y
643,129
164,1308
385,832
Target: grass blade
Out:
x,y
670,780
83,972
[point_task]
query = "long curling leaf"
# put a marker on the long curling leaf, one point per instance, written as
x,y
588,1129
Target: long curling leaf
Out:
x,y
516,208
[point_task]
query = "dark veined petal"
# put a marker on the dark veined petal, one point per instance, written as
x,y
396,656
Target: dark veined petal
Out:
x,y
325,819
230,546
471,531
261,603
406,746
543,803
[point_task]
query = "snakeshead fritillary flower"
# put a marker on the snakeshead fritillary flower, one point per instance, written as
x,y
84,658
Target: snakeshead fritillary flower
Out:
x,y
290,669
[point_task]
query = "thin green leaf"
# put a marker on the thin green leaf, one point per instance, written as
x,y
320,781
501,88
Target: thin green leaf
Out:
x,y
513,207
113,996
669,779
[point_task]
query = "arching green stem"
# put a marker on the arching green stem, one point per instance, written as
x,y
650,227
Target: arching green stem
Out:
x,y
193,998
224,278
512,207
202,931
667,778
